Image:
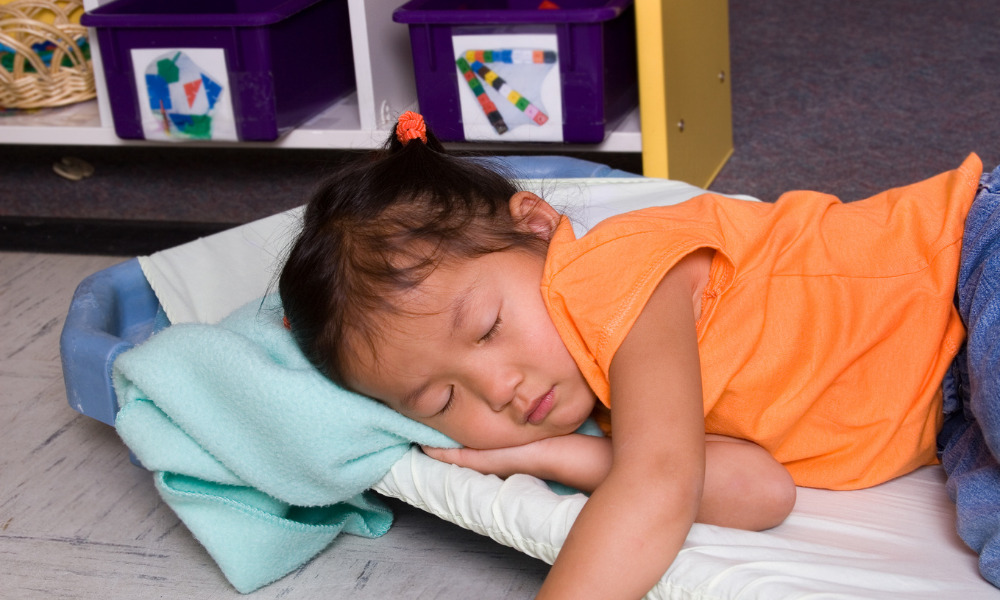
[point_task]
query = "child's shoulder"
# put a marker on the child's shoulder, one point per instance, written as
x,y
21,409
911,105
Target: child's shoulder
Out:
x,y
648,236
701,213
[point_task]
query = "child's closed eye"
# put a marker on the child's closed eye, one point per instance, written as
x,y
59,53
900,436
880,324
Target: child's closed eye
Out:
x,y
450,402
489,335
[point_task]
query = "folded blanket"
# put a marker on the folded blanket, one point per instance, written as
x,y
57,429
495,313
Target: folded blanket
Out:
x,y
263,459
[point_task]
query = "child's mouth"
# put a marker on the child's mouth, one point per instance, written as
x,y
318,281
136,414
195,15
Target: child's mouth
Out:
x,y
542,407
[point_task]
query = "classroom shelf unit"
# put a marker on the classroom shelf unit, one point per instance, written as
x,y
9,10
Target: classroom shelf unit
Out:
x,y
683,126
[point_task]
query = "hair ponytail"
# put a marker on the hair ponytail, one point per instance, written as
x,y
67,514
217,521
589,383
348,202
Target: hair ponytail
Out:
x,y
411,127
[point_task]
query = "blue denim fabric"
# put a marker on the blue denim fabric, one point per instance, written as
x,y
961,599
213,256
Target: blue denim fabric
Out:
x,y
970,439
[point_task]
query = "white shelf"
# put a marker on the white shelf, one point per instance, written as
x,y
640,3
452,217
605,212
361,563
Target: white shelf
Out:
x,y
338,127
75,124
360,120
80,125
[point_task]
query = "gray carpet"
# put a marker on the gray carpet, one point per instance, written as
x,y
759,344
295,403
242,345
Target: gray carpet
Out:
x,y
851,96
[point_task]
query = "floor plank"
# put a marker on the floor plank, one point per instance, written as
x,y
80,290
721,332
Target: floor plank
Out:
x,y
78,520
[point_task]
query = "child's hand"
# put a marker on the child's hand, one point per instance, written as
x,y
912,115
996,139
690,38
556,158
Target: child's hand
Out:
x,y
502,462
579,461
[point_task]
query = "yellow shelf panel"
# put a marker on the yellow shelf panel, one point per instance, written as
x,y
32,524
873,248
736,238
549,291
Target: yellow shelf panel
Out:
x,y
684,91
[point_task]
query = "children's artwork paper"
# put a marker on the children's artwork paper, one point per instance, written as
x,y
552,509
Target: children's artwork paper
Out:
x,y
184,94
509,87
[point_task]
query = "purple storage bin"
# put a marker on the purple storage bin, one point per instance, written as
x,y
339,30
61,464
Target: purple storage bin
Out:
x,y
231,69
591,44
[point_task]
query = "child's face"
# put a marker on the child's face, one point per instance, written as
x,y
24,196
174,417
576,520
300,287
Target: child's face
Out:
x,y
474,354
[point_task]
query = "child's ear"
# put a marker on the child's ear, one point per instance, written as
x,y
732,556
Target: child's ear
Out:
x,y
534,214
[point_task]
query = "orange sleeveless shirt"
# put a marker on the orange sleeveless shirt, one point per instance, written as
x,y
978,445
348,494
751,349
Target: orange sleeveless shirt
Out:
x,y
826,327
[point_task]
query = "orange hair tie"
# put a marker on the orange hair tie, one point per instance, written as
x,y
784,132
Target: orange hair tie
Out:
x,y
411,126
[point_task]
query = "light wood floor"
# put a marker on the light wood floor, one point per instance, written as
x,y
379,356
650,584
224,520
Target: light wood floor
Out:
x,y
78,520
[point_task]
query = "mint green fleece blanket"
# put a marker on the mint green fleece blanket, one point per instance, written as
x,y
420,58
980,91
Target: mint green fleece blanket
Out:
x,y
263,458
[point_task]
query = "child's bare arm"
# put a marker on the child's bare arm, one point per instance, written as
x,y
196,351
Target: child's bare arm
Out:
x,y
577,460
745,488
636,521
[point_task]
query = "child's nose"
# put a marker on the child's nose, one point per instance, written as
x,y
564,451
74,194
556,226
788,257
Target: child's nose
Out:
x,y
500,388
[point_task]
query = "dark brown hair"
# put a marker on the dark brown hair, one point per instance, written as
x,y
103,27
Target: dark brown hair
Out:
x,y
379,226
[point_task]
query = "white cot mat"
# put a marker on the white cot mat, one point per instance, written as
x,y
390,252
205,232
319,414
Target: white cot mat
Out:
x,y
896,540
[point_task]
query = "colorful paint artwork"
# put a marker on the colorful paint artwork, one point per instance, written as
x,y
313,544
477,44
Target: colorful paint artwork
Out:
x,y
184,97
513,89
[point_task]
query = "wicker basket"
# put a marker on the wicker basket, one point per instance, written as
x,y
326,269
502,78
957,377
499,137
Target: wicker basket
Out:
x,y
46,63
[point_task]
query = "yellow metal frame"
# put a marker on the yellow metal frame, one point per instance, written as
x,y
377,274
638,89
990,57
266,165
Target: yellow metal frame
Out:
x,y
685,106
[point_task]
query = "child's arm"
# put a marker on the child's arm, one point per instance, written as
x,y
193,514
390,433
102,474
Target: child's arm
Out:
x,y
636,521
576,460
745,487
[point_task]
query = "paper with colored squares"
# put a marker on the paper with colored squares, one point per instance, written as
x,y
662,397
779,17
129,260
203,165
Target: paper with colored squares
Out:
x,y
510,87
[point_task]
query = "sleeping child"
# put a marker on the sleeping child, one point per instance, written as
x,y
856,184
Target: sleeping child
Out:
x,y
739,348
